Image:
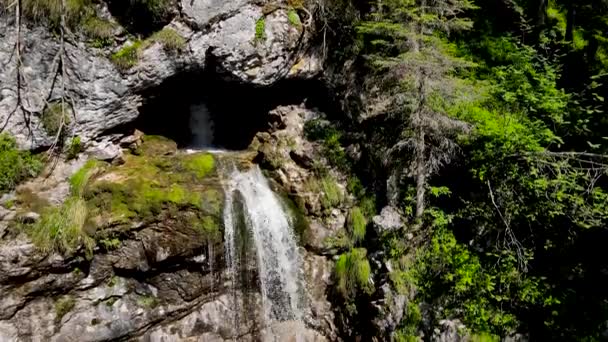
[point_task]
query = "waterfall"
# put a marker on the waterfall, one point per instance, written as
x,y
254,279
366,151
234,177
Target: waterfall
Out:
x,y
278,260
201,126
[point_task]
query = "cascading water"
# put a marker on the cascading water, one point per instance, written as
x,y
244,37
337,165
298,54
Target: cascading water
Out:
x,y
278,260
201,126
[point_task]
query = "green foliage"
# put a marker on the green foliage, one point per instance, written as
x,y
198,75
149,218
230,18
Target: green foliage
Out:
x,y
356,225
62,229
15,166
80,179
55,117
169,38
128,56
294,18
75,147
260,30
49,11
63,306
109,244
328,190
323,130
353,273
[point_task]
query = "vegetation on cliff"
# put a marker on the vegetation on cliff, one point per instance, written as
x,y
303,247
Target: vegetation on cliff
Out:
x,y
489,119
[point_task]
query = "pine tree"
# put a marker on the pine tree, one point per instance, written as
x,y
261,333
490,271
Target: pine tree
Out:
x,y
409,43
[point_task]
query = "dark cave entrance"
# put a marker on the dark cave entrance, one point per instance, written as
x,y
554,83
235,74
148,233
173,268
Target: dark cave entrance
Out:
x,y
200,110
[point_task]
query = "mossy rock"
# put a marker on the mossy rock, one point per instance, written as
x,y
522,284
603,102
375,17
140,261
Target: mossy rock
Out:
x,y
154,185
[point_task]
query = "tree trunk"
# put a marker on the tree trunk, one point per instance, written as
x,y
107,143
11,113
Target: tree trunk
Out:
x,y
570,22
420,172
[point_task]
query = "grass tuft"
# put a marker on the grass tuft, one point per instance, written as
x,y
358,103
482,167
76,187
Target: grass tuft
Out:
x,y
353,273
128,56
260,30
170,39
356,225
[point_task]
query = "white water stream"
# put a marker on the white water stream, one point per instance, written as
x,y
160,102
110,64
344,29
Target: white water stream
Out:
x,y
278,260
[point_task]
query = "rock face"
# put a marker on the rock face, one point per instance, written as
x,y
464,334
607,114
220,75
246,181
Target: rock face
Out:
x,y
218,34
158,271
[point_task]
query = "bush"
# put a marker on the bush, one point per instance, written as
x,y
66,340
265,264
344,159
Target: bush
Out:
x,y
353,273
326,186
356,225
15,166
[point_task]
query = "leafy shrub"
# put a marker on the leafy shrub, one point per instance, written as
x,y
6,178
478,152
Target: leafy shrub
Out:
x,y
353,273
356,224
170,39
15,165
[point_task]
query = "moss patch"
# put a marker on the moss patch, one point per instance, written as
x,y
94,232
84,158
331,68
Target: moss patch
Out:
x,y
63,306
158,184
201,164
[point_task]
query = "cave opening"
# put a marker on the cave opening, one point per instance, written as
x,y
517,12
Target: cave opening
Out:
x,y
199,110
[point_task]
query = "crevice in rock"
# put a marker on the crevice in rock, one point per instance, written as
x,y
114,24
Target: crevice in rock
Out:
x,y
200,109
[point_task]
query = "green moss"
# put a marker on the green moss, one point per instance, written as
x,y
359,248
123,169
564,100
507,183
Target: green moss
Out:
x,y
55,117
128,56
15,166
356,225
156,145
63,306
353,273
169,38
149,302
260,30
294,18
200,164
80,179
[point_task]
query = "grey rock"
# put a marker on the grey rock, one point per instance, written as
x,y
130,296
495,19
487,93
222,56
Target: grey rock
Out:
x,y
29,217
104,97
388,220
105,151
450,331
